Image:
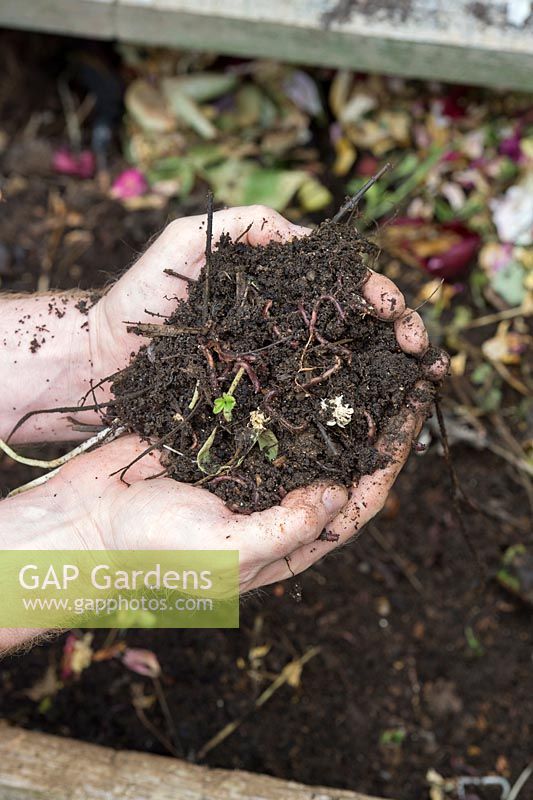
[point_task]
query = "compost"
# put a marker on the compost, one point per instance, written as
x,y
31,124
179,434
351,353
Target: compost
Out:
x,y
275,373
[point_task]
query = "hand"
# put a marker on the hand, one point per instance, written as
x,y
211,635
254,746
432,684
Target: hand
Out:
x,y
181,247
162,514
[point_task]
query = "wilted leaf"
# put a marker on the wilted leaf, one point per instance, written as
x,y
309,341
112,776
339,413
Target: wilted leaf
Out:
x,y
200,86
47,686
173,177
269,444
345,156
313,196
148,108
508,282
247,183
187,111
506,346
302,90
77,655
143,662
203,459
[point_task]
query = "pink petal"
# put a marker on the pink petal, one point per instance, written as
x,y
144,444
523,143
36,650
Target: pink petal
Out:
x,y
80,165
143,662
130,183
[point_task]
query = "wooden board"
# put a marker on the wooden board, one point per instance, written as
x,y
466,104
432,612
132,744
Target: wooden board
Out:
x,y
468,41
35,766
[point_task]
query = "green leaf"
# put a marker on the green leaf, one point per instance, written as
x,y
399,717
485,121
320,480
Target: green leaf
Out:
x,y
202,86
392,736
481,374
175,169
187,111
268,444
203,459
243,182
224,404
508,282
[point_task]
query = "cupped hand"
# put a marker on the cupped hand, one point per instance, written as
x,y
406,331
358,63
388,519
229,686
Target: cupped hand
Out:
x,y
282,541
146,288
162,514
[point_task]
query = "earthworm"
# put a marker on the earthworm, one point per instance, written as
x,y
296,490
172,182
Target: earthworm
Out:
x,y
273,413
251,374
266,309
372,429
213,379
323,377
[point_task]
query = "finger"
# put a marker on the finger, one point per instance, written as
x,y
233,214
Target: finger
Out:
x,y
255,225
436,364
368,495
384,296
303,515
411,333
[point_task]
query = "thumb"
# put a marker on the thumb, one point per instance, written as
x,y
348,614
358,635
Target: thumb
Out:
x,y
301,518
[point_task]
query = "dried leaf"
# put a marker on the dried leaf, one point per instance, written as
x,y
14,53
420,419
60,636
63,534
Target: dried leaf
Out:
x,y
203,459
143,662
148,108
47,686
268,444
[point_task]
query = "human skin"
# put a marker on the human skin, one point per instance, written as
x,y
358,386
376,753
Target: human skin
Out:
x,y
85,507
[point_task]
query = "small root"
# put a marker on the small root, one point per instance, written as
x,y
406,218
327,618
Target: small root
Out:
x,y
180,275
322,377
59,410
327,439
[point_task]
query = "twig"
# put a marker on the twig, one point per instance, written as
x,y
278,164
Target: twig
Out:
x,y
171,727
524,776
167,744
327,439
287,675
489,319
457,492
208,245
60,410
353,202
180,275
153,330
397,558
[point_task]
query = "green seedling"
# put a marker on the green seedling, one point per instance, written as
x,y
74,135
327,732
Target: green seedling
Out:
x,y
224,405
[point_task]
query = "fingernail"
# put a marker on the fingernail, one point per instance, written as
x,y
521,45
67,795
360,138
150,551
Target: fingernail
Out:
x,y
334,498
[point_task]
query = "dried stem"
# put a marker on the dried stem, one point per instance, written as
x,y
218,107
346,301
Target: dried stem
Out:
x,y
353,202
208,250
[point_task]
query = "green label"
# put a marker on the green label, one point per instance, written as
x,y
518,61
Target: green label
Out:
x,y
119,589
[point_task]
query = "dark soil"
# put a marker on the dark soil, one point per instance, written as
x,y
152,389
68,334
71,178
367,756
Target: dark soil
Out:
x,y
410,642
290,321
